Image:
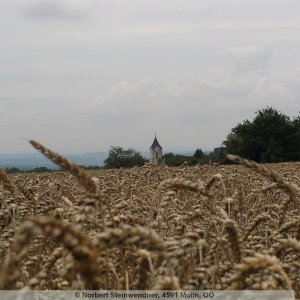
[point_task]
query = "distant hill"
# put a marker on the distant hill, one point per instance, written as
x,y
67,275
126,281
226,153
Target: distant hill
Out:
x,y
27,161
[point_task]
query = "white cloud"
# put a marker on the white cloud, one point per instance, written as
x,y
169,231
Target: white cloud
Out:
x,y
248,82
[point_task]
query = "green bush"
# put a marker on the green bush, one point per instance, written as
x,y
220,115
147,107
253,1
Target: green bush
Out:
x,y
122,158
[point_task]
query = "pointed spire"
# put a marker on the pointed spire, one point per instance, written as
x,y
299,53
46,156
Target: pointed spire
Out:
x,y
155,143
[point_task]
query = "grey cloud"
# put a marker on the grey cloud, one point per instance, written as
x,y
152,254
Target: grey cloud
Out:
x,y
54,9
187,97
160,94
251,58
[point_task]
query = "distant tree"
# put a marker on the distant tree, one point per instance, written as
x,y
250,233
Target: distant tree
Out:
x,y
218,155
121,158
13,170
171,159
199,154
41,170
176,160
296,141
270,137
90,167
94,167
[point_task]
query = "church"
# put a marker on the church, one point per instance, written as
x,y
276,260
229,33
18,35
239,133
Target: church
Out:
x,y
155,152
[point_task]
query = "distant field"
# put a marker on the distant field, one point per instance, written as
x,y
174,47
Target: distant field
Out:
x,y
205,227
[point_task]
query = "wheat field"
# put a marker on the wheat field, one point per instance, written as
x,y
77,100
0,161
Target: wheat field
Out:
x,y
208,227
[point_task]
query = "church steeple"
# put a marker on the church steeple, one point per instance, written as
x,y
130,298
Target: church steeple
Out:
x,y
155,152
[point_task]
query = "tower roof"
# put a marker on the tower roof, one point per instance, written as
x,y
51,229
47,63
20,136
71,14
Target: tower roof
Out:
x,y
155,143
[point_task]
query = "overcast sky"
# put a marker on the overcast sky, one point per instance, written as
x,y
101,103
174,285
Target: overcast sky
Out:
x,y
82,75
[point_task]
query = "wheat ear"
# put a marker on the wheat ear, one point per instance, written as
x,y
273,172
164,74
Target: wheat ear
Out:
x,y
292,189
253,265
86,180
8,185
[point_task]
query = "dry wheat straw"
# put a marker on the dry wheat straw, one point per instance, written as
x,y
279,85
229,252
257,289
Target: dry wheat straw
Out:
x,y
8,185
252,265
292,189
74,241
231,229
136,235
183,184
259,219
167,283
86,180
285,244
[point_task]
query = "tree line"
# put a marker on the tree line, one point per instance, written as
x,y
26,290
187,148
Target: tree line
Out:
x,y
119,157
270,137
13,170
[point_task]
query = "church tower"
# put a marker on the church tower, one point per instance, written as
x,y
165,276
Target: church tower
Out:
x,y
155,152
